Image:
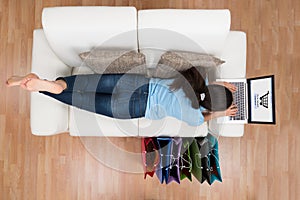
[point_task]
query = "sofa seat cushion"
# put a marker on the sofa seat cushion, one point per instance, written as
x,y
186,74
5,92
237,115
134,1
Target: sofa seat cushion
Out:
x,y
84,123
170,127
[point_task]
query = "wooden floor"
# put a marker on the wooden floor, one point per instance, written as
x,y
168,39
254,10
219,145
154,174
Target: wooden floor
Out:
x,y
263,164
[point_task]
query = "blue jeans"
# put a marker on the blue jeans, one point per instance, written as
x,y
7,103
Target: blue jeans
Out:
x,y
122,96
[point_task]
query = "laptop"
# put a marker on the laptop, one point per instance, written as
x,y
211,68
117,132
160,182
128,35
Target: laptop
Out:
x,y
255,99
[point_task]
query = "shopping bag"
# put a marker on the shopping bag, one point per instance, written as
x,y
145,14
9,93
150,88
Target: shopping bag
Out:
x,y
204,148
164,145
196,160
214,159
185,161
150,156
174,173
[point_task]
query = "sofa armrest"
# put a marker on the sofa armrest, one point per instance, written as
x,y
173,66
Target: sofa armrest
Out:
x,y
226,130
234,54
45,63
47,116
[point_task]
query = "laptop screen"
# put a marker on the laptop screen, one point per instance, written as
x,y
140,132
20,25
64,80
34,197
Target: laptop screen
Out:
x,y
261,97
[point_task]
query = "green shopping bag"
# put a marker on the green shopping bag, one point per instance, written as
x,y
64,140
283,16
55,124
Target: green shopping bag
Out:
x,y
185,161
196,160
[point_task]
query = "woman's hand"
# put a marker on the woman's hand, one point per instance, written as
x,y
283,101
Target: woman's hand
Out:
x,y
229,86
231,111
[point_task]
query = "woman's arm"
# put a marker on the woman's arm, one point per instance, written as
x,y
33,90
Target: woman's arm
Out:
x,y
231,111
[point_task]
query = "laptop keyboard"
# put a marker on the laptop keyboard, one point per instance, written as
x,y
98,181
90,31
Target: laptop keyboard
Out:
x,y
239,100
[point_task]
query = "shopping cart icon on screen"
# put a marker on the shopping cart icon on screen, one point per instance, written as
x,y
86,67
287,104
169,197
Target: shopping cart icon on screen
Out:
x,y
264,100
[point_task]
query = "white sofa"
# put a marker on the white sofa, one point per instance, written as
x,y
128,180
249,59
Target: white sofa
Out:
x,y
68,31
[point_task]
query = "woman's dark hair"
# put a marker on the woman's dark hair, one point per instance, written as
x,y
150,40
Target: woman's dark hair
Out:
x,y
211,97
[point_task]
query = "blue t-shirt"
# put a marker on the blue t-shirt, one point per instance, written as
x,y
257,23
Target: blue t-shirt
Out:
x,y
163,102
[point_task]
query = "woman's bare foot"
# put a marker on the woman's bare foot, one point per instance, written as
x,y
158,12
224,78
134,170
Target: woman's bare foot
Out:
x,y
20,80
54,87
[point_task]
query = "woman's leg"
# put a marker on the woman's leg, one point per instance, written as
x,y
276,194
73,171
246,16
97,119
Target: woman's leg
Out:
x,y
125,104
32,82
97,83
93,102
40,85
126,95
103,83
129,102
20,80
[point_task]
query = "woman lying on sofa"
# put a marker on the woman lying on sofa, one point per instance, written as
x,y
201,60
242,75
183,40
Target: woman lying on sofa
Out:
x,y
125,96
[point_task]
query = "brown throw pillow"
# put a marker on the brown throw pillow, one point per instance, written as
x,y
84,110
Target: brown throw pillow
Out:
x,y
182,60
107,61
172,62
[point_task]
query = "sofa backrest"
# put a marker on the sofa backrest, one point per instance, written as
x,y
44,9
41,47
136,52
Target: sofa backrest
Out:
x,y
182,29
73,30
